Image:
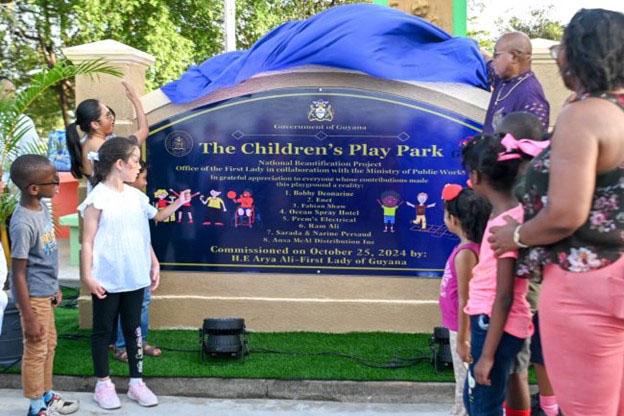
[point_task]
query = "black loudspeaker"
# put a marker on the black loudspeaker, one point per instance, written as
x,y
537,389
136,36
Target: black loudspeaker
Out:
x,y
441,357
223,337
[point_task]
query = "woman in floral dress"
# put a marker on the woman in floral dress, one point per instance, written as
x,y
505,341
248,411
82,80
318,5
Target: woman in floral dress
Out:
x,y
574,222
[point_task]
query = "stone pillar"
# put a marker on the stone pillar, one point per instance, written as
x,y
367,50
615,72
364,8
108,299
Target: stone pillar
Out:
x,y
131,62
547,72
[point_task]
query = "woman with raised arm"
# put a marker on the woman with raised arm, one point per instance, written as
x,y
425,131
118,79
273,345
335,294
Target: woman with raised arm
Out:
x,y
97,121
574,221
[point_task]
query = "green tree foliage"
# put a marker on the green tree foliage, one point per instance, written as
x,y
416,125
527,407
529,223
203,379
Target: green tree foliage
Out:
x,y
32,35
257,17
482,36
201,22
146,25
13,126
177,32
35,31
538,24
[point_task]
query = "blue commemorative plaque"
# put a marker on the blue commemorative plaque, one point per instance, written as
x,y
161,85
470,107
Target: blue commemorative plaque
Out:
x,y
307,180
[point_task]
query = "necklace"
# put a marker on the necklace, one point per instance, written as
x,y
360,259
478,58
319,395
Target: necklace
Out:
x,y
520,81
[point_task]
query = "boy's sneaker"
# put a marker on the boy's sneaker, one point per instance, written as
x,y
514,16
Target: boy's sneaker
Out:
x,y
42,412
142,394
106,396
62,406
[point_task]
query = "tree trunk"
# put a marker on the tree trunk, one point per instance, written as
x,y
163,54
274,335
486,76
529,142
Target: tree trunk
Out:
x,y
60,89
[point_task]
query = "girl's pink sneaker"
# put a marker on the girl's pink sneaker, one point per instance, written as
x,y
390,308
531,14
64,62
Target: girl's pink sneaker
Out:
x,y
106,396
142,394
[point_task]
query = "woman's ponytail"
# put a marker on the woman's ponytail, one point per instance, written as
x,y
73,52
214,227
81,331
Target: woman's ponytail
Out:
x,y
75,150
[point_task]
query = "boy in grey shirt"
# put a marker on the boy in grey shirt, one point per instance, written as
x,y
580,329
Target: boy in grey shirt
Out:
x,y
34,273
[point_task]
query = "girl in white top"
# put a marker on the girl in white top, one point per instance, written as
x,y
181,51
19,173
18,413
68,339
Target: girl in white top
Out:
x,y
118,262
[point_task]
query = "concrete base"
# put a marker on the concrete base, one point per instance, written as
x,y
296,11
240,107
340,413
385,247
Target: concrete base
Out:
x,y
292,302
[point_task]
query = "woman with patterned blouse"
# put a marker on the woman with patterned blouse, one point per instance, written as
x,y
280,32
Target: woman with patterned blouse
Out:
x,y
574,222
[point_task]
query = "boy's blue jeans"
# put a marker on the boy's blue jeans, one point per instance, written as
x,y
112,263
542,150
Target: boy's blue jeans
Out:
x,y
481,400
120,342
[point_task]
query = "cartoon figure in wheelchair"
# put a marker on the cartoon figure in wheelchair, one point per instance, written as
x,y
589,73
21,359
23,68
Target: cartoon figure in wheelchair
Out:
x,y
245,212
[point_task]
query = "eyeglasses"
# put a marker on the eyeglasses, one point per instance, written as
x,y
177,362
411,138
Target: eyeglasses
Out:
x,y
511,52
109,115
554,51
55,182
497,54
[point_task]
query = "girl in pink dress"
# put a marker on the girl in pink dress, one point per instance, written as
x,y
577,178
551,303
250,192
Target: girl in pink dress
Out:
x,y
465,215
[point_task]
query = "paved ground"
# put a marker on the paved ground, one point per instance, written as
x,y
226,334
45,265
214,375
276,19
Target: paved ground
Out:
x,y
13,403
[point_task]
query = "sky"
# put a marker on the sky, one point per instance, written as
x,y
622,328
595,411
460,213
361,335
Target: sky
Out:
x,y
562,10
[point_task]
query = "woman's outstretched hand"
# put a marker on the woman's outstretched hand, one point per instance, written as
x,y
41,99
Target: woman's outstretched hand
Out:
x,y
130,91
501,239
135,100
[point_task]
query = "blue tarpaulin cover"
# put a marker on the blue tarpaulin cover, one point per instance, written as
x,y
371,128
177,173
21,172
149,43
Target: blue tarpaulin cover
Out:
x,y
379,41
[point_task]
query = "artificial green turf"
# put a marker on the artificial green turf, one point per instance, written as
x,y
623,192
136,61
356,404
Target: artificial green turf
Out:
x,y
303,359
305,355
73,356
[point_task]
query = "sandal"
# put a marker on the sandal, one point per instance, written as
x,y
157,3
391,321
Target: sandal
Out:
x,y
121,355
151,350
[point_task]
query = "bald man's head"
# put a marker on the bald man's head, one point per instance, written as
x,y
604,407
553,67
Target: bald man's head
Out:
x,y
512,55
516,41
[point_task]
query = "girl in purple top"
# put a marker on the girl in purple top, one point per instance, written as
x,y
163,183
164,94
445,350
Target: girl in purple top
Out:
x,y
465,215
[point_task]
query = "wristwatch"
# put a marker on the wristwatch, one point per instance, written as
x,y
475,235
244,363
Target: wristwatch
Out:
x,y
516,238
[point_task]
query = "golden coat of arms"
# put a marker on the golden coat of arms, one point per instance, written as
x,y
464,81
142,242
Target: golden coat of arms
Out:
x,y
321,110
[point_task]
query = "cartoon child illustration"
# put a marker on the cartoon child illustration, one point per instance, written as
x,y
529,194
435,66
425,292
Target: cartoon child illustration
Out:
x,y
421,208
215,206
185,208
162,202
245,212
390,202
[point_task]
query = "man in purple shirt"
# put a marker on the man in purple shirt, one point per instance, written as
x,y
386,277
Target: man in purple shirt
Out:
x,y
514,85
